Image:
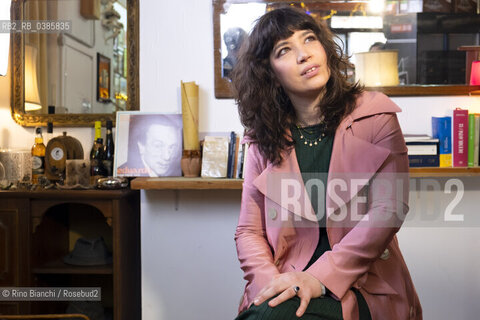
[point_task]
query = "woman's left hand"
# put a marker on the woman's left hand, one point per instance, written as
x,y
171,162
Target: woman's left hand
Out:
x,y
284,285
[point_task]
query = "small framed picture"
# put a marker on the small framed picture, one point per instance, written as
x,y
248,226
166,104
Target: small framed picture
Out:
x,y
148,144
103,78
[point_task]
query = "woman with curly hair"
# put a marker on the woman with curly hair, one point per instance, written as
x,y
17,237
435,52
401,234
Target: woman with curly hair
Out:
x,y
325,182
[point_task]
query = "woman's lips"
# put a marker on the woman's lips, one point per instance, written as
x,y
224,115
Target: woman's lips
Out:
x,y
310,71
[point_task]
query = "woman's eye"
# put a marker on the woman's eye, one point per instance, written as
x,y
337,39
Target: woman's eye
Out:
x,y
282,51
310,38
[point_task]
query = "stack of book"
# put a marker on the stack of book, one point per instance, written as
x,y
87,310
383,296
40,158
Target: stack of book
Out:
x,y
459,143
423,150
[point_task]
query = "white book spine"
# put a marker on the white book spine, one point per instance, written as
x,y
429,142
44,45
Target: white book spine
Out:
x,y
422,149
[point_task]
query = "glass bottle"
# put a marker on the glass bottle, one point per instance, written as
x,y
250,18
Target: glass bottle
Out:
x,y
109,150
38,157
97,170
98,134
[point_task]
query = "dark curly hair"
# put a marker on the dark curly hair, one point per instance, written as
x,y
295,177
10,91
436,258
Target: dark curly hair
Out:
x,y
264,107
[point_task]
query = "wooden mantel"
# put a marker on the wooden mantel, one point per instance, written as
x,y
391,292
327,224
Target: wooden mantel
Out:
x,y
181,183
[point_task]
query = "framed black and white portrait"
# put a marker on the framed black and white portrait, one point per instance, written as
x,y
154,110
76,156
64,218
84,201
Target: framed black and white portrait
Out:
x,y
148,144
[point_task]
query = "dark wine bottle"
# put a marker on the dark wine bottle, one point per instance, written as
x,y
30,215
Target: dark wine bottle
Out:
x,y
97,170
98,134
109,150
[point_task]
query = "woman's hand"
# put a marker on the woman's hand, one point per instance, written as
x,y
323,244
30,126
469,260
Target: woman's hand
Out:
x,y
284,284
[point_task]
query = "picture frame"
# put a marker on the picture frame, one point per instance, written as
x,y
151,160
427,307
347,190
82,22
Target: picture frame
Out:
x,y
148,144
103,78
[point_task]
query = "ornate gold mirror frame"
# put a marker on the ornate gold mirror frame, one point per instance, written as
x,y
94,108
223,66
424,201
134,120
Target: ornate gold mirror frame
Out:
x,y
71,120
223,86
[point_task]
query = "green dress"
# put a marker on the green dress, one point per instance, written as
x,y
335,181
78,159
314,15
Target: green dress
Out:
x,y
314,162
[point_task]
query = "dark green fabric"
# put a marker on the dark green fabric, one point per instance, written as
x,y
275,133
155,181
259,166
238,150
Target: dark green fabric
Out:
x,y
314,163
318,309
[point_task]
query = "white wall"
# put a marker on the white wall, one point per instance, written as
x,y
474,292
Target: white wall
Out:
x,y
189,265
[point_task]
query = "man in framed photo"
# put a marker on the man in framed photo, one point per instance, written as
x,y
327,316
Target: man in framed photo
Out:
x,y
154,146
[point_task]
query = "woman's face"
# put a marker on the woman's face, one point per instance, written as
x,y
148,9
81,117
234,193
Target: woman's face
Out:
x,y
300,64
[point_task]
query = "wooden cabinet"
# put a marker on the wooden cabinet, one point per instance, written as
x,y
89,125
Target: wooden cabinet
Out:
x,y
39,228
13,248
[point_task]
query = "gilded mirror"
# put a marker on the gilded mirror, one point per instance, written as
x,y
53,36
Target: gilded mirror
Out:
x,y
79,66
433,46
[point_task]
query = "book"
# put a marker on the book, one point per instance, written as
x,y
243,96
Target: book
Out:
x,y
471,139
423,160
231,154
235,157
423,150
215,157
460,137
416,137
427,147
476,155
442,130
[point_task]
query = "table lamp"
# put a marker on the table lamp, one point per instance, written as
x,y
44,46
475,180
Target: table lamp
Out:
x,y
32,97
377,68
475,73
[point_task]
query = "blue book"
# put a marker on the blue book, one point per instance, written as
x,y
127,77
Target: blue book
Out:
x,y
423,160
442,130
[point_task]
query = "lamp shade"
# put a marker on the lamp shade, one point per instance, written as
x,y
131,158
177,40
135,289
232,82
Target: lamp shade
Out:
x,y
32,97
377,68
475,74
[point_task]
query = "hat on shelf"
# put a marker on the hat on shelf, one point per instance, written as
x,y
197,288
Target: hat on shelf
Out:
x,y
89,252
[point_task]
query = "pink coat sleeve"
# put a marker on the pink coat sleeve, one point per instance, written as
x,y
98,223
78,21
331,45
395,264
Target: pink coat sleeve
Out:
x,y
353,255
254,252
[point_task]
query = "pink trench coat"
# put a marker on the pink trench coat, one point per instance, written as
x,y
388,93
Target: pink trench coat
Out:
x,y
275,235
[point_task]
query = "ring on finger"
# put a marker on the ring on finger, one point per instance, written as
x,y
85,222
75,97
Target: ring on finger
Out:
x,y
296,289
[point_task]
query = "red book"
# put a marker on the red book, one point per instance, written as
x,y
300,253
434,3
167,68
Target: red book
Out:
x,y
460,137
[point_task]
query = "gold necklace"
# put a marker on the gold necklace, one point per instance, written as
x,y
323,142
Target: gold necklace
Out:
x,y
309,142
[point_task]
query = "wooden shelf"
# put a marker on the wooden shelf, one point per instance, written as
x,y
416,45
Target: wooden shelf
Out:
x,y
444,172
427,90
180,183
59,267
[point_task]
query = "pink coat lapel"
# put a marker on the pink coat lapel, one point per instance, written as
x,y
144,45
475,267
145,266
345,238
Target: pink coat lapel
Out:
x,y
271,180
354,157
345,160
